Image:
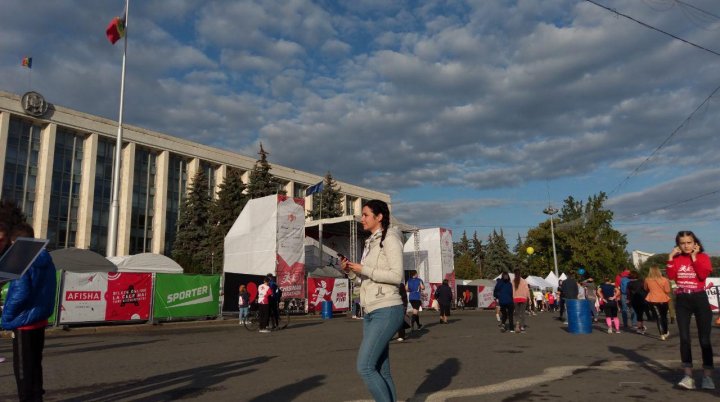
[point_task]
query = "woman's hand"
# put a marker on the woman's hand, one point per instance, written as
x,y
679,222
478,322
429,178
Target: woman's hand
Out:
x,y
695,251
675,251
353,266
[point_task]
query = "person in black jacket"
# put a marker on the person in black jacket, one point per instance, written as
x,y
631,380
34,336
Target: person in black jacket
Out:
x,y
444,296
503,294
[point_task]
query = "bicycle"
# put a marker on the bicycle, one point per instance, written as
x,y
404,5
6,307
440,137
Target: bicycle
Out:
x,y
252,321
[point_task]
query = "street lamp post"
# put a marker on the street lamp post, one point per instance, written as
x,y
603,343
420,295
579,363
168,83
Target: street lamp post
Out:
x,y
552,211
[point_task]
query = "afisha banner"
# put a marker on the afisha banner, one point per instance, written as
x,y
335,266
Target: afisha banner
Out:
x,y
335,290
712,288
101,296
290,268
178,295
485,297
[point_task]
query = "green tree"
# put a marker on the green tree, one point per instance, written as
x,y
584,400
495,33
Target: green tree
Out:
x,y
224,211
328,202
497,256
465,267
462,247
584,237
191,249
478,253
261,183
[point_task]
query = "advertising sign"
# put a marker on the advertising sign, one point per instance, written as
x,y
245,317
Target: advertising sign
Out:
x,y
102,296
335,290
186,295
290,270
712,288
485,297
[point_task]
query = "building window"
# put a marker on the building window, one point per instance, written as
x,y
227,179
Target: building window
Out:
x,y
143,201
65,189
102,197
176,194
299,190
209,171
21,164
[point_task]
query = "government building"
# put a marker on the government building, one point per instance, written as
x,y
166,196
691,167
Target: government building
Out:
x,y
57,165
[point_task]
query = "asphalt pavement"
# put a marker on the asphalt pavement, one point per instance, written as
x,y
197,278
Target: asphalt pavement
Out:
x,y
313,360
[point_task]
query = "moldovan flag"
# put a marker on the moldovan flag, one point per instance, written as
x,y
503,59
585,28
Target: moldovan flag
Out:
x,y
116,29
27,62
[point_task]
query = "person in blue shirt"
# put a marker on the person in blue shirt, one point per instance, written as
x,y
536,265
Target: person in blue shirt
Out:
x,y
503,294
414,289
30,302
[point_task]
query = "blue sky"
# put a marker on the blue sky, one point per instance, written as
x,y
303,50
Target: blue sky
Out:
x,y
473,115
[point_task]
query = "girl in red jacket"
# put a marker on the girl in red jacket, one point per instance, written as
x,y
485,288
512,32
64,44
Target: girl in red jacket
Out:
x,y
688,266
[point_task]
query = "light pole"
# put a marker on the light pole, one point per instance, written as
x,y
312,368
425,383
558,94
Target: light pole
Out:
x,y
552,211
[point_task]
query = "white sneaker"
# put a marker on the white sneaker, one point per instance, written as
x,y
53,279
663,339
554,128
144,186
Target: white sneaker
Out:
x,y
687,383
707,383
663,337
264,331
400,339
609,330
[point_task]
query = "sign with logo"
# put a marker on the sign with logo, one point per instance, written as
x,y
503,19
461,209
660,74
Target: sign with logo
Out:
x,y
336,290
102,296
186,295
290,269
34,104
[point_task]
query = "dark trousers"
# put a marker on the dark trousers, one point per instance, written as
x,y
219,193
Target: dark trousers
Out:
x,y
686,305
661,311
274,312
506,313
562,308
264,310
27,363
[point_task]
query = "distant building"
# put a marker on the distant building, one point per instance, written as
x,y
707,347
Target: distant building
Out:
x,y
57,165
639,257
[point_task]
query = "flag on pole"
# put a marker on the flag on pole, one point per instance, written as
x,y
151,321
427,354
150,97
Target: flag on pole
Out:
x,y
116,29
27,62
314,189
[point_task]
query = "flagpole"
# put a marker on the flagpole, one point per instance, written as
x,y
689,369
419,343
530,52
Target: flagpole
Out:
x,y
113,223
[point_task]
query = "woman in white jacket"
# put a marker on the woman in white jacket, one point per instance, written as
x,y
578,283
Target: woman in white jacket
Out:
x,y
381,271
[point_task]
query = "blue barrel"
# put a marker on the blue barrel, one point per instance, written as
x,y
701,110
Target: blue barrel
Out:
x,y
579,316
326,310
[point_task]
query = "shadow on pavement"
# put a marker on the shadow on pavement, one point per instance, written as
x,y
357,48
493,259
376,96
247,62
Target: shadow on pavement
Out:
x,y
304,324
98,348
661,371
171,386
437,379
290,392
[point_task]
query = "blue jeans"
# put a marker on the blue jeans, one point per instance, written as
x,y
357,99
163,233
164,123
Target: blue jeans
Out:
x,y
373,361
243,313
626,309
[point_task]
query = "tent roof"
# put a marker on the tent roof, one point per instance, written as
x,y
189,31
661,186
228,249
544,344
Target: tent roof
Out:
x,y
81,260
479,282
146,262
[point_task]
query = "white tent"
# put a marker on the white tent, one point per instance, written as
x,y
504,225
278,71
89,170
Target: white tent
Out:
x,y
552,279
267,237
534,281
146,262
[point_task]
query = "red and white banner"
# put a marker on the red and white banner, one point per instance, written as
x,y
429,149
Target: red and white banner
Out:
x,y
101,296
485,297
335,290
712,288
290,268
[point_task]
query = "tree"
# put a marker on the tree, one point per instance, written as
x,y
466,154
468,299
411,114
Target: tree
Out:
x,y
225,210
462,247
584,237
497,256
478,253
465,267
328,202
191,248
261,183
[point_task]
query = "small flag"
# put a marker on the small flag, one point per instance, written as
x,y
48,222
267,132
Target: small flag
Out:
x,y
27,62
314,189
116,29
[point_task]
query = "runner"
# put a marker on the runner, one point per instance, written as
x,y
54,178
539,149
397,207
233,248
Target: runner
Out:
x,y
414,288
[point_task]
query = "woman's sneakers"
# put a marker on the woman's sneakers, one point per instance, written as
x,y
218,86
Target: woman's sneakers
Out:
x,y
687,383
707,383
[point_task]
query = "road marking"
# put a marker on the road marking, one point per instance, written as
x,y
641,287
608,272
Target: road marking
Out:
x,y
548,375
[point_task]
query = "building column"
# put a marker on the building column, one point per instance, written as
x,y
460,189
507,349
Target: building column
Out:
x,y
127,172
162,163
220,175
357,206
43,188
4,132
87,191
290,189
192,169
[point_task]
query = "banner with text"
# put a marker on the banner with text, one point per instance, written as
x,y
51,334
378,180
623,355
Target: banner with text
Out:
x,y
102,296
290,269
186,295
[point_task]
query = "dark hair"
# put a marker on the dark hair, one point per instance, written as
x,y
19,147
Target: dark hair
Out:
x,y
413,272
684,233
5,228
380,207
504,274
633,274
445,281
22,230
516,280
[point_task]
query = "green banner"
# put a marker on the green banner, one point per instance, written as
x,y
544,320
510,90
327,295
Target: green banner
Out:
x,y
180,295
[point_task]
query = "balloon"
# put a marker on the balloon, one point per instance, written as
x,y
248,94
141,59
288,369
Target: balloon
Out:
x,y
530,250
581,271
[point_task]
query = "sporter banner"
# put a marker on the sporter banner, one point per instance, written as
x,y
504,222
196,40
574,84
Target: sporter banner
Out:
x,y
290,268
186,295
101,296
335,290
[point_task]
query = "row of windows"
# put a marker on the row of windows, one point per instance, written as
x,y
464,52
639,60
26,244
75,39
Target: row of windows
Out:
x,y
21,172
